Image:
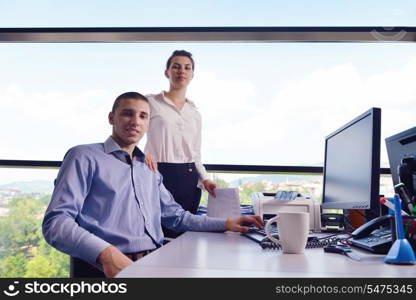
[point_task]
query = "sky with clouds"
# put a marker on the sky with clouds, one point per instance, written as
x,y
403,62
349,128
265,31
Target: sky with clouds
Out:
x,y
261,103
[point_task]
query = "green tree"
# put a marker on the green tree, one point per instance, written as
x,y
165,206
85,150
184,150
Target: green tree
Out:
x,y
204,198
40,266
19,229
13,266
57,259
248,188
44,200
23,250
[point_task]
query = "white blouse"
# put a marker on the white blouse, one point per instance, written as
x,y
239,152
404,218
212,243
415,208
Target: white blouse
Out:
x,y
174,135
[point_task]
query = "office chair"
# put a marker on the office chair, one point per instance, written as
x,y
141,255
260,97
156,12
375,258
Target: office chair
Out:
x,y
81,269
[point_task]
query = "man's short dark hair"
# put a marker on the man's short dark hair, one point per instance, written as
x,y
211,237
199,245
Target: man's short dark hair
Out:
x,y
125,96
180,53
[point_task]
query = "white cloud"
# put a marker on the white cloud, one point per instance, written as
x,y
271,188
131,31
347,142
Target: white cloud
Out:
x,y
285,126
43,125
292,127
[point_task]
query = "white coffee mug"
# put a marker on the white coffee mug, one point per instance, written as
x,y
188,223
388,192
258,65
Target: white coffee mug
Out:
x,y
293,229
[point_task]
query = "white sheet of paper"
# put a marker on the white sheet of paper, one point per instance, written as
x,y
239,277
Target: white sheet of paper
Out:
x,y
225,205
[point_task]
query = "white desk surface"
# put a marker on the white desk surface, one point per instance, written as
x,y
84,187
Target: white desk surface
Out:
x,y
204,254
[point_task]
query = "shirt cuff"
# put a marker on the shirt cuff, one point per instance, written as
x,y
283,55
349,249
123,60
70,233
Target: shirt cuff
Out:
x,y
218,224
214,224
203,175
91,248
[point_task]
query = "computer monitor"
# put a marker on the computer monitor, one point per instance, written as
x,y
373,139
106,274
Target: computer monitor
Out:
x,y
352,165
402,146
399,146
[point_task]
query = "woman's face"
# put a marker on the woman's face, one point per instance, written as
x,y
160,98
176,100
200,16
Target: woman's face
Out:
x,y
180,72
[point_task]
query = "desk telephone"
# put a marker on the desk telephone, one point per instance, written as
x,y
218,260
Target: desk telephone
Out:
x,y
374,235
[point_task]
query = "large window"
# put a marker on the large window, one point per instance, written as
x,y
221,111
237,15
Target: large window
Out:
x,y
261,103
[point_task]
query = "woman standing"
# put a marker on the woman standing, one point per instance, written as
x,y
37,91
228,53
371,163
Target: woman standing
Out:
x,y
174,136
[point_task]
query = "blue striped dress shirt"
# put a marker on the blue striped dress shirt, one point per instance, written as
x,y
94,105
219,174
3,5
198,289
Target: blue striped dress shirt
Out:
x,y
104,198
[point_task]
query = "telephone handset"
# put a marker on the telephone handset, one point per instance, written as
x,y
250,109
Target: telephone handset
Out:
x,y
374,235
367,228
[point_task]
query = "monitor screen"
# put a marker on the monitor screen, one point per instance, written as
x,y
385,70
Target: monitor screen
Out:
x,y
399,146
352,165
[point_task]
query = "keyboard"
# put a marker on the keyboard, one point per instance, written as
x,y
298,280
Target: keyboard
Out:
x,y
258,235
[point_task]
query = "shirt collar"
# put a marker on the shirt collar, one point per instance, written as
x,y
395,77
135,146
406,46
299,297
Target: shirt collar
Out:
x,y
165,99
110,146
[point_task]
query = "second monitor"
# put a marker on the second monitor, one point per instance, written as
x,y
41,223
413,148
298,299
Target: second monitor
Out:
x,y
352,165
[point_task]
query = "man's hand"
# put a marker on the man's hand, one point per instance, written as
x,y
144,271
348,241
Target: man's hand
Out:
x,y
113,261
151,162
210,186
240,224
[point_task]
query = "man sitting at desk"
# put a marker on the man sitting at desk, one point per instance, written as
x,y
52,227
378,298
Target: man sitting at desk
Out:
x,y
108,206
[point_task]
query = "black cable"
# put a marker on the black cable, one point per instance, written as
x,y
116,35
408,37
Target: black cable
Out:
x,y
315,242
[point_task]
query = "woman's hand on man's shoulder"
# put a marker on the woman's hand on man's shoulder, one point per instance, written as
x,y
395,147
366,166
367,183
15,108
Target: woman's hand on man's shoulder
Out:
x,y
151,162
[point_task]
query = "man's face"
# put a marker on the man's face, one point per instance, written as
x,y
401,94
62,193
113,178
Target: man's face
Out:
x,y
130,121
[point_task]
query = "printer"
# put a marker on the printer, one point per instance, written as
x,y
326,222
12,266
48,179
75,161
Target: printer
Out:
x,y
266,205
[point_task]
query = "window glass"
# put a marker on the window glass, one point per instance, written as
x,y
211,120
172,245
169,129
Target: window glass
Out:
x,y
310,185
261,103
133,13
24,196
